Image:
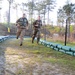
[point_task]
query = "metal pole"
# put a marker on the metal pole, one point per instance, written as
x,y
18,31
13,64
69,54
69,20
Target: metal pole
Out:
x,y
22,7
9,15
45,25
0,9
9,18
0,14
10,1
32,13
44,28
16,11
66,32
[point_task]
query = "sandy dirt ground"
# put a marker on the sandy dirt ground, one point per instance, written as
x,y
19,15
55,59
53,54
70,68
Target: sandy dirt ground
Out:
x,y
13,61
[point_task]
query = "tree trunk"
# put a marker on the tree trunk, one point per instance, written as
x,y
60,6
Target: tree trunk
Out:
x,y
48,17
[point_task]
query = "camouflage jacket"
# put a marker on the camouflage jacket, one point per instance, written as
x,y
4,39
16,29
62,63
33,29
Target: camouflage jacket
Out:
x,y
37,23
22,22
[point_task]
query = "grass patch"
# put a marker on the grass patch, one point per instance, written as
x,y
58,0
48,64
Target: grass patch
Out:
x,y
36,50
71,44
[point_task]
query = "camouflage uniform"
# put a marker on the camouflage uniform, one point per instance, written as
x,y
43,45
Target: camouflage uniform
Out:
x,y
36,32
21,24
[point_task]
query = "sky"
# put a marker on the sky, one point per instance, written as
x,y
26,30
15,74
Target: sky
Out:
x,y
53,14
60,3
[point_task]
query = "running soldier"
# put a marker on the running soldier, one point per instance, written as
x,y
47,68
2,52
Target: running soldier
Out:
x,y
36,29
22,24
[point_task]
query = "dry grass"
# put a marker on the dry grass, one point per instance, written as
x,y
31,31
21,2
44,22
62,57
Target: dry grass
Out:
x,y
33,59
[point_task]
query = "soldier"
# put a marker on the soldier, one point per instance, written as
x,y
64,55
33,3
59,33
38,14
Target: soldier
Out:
x,y
36,26
22,24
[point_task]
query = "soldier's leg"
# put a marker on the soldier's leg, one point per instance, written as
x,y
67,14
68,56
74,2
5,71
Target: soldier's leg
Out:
x,y
18,32
22,36
38,36
34,35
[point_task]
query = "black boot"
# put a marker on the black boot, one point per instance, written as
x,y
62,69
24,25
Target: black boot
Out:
x,y
38,39
17,37
33,39
20,44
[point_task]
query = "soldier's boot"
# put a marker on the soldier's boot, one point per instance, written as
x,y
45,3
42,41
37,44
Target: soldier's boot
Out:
x,y
21,41
17,37
33,39
38,39
18,34
20,44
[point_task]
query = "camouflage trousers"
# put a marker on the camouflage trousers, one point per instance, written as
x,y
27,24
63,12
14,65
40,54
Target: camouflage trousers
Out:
x,y
20,33
36,33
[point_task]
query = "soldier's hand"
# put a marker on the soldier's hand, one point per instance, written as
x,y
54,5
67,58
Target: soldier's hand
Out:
x,y
16,24
27,27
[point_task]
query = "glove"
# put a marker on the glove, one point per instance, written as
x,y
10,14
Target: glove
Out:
x,y
16,24
27,27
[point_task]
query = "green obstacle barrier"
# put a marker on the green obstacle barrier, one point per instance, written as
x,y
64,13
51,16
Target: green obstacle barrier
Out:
x,y
66,49
2,38
73,51
47,43
54,46
59,47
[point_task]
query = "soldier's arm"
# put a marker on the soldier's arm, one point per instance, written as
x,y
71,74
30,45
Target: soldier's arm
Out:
x,y
34,23
27,25
17,21
41,23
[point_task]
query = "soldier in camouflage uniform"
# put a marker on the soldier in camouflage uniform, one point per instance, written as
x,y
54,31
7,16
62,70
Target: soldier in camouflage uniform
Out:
x,y
36,32
22,24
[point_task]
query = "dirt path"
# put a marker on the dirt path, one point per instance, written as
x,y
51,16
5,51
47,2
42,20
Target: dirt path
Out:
x,y
14,61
